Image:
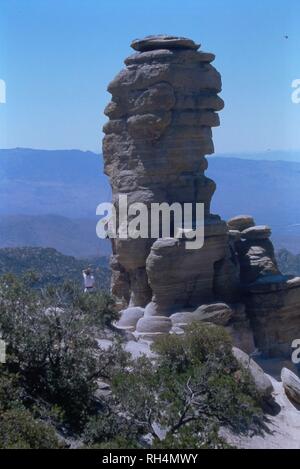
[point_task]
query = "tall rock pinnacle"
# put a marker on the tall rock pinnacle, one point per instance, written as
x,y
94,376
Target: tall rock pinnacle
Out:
x,y
164,105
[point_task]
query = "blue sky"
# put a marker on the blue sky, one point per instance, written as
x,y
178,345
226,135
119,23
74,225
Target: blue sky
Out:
x,y
58,56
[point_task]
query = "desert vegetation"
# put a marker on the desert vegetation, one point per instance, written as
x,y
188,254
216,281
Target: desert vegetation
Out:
x,y
58,388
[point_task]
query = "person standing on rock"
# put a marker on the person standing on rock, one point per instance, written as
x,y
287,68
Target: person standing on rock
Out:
x,y
88,280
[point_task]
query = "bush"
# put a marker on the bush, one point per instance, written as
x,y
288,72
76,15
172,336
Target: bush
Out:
x,y
178,400
51,344
98,307
111,431
194,387
11,393
19,430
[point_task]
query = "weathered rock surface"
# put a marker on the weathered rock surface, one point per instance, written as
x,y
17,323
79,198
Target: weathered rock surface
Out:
x,y
273,305
257,232
261,380
233,318
217,313
151,327
129,318
291,384
180,277
272,300
226,286
256,259
182,319
163,42
163,107
234,235
240,222
240,329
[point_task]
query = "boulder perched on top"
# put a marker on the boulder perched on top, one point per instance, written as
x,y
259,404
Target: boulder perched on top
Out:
x,y
240,222
163,41
217,313
291,384
257,232
261,380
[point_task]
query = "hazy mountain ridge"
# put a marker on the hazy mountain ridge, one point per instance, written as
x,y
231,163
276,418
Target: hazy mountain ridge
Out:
x,y
268,155
268,190
75,237
65,182
71,183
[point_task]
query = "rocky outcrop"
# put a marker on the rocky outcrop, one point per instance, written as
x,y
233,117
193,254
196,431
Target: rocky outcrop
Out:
x,y
240,222
240,329
291,384
183,278
164,105
256,233
256,260
218,313
272,300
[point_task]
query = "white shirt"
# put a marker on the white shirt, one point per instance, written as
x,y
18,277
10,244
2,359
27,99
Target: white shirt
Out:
x,y
89,280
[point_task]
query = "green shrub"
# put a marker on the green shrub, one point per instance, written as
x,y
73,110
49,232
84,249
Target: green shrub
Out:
x,y
111,431
51,344
19,430
194,387
11,392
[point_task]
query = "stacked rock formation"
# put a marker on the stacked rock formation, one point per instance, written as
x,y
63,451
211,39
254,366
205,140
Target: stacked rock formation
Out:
x,y
272,300
164,105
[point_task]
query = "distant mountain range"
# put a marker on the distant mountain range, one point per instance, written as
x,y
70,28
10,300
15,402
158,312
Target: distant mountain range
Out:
x,y
268,190
53,268
69,184
268,155
73,237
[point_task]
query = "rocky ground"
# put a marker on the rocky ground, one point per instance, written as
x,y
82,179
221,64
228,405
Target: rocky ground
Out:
x,y
283,428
